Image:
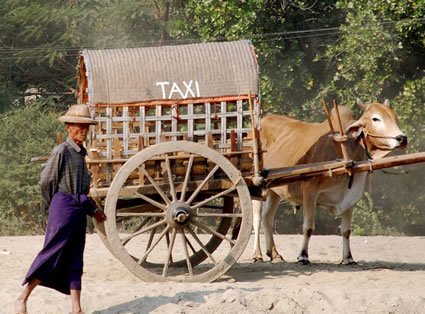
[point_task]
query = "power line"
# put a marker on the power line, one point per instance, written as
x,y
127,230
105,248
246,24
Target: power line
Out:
x,y
10,53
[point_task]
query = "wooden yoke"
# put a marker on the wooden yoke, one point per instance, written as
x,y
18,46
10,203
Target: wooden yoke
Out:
x,y
337,144
257,179
342,138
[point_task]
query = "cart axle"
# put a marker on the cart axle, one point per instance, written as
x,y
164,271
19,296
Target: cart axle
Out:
x,y
179,214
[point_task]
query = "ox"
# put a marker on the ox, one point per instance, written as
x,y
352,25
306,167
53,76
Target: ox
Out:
x,y
289,142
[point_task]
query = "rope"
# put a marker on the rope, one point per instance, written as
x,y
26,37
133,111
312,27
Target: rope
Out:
x,y
365,149
370,166
176,108
366,133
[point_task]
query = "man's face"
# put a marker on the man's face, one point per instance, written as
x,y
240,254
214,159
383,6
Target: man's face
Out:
x,y
78,131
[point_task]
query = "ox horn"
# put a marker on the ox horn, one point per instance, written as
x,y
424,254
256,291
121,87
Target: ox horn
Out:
x,y
387,102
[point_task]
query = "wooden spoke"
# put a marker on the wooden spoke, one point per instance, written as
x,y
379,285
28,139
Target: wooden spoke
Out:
x,y
141,215
142,208
153,245
186,253
199,188
209,230
157,188
153,202
151,235
170,179
186,178
190,244
202,246
213,197
218,215
155,225
170,251
167,238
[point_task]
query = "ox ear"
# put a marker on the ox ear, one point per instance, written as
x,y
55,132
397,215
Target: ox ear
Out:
x,y
355,129
361,104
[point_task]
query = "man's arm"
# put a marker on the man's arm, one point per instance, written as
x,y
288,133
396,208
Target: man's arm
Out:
x,y
50,176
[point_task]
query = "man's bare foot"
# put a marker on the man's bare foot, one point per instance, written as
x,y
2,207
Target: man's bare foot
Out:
x,y
77,311
20,307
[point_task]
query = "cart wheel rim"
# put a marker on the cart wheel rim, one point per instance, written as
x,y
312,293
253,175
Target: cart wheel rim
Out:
x,y
178,214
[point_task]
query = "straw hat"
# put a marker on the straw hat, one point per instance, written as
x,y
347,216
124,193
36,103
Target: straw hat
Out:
x,y
77,114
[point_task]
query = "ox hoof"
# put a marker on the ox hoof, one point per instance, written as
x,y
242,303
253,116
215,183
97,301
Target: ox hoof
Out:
x,y
303,262
277,260
275,257
257,260
348,262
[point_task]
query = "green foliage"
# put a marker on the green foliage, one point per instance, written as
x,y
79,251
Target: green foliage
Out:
x,y
399,194
41,39
36,40
410,107
25,132
367,220
361,69
378,53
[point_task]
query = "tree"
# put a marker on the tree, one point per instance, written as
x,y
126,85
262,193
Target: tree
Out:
x,y
25,132
41,39
290,75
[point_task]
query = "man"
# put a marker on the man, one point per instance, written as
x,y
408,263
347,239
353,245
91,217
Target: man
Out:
x,y
65,183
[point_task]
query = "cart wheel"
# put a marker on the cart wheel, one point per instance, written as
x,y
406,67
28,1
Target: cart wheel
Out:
x,y
169,229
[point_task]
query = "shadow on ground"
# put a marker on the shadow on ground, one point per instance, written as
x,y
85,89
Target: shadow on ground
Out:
x,y
241,272
149,304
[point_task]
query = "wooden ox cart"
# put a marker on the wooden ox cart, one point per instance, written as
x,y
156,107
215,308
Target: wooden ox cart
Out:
x,y
175,155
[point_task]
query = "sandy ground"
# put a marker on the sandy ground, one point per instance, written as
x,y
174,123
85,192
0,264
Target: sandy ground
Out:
x,y
389,278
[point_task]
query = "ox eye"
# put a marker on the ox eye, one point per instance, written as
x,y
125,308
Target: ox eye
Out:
x,y
376,119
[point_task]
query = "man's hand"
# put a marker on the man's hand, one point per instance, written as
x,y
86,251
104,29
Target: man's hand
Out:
x,y
99,215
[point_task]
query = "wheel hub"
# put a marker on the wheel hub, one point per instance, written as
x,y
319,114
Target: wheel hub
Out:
x,y
179,214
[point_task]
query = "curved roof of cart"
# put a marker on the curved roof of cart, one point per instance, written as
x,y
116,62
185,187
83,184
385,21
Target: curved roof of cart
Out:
x,y
173,73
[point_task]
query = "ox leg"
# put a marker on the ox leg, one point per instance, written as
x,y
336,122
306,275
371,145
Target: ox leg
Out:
x,y
256,224
270,207
347,258
309,213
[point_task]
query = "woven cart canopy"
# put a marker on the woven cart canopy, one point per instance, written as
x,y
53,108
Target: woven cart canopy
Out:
x,y
179,72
